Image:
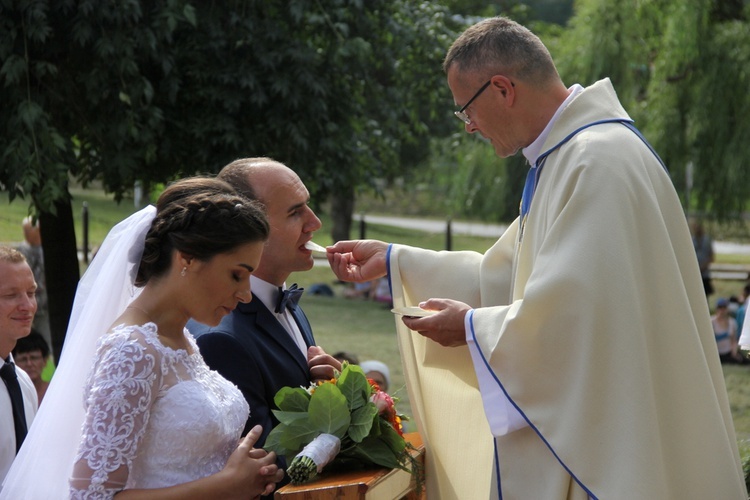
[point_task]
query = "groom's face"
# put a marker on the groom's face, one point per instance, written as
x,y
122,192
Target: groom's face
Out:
x,y
292,223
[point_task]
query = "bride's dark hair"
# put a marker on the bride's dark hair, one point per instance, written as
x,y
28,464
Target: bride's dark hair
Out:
x,y
201,217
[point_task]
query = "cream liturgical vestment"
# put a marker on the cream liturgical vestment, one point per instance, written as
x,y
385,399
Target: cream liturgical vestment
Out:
x,y
590,319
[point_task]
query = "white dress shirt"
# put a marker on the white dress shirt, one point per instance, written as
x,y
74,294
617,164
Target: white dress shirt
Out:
x,y
7,429
269,294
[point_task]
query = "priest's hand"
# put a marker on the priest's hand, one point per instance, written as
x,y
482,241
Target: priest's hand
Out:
x,y
359,260
446,327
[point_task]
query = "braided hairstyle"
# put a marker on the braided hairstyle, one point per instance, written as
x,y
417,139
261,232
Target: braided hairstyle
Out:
x,y
201,217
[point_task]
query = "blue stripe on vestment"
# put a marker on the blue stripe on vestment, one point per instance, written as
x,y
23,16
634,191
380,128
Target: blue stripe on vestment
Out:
x,y
535,172
489,368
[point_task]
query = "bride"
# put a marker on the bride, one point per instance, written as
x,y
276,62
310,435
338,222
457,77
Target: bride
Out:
x,y
155,421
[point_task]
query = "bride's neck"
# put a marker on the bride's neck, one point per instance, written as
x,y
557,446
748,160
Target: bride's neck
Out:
x,y
161,308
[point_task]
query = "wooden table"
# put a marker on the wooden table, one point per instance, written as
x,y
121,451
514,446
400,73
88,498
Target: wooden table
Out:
x,y
373,484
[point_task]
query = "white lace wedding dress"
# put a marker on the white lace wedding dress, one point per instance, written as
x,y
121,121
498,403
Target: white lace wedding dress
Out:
x,y
154,416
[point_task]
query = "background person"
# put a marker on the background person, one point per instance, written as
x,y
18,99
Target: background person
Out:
x,y
704,251
359,290
18,401
377,371
742,310
154,416
31,247
31,354
347,356
726,333
382,292
578,379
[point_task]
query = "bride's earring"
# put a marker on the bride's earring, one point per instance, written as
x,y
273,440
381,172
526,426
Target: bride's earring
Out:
x,y
183,272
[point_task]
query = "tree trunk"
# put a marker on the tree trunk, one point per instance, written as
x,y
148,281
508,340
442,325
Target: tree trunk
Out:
x,y
342,207
60,269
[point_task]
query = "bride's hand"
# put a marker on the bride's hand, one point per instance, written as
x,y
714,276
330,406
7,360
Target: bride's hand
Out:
x,y
254,469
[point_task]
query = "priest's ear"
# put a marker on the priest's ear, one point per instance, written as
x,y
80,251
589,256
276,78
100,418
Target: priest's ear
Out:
x,y
505,86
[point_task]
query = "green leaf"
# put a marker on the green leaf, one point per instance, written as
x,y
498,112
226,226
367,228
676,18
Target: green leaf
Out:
x,y
13,69
295,436
171,23
389,436
289,417
375,451
292,399
273,441
362,420
329,411
30,112
354,386
189,13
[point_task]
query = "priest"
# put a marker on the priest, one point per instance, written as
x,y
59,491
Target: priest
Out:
x,y
583,332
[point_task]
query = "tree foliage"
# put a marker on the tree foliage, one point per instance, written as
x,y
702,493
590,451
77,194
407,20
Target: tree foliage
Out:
x,y
680,68
343,91
152,90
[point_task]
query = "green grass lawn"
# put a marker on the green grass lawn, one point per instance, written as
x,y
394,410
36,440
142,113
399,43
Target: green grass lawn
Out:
x,y
737,379
103,211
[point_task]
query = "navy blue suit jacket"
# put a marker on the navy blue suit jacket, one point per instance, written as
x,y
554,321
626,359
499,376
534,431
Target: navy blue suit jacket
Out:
x,y
251,349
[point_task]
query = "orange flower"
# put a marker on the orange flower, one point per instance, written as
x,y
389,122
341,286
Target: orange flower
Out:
x,y
398,426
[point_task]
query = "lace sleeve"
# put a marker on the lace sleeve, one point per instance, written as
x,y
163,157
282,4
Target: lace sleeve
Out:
x,y
117,399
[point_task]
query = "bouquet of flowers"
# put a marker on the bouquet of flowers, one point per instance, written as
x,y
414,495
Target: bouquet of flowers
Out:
x,y
347,421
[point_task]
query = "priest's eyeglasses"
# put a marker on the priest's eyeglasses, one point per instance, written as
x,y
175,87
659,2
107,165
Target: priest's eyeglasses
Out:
x,y
461,113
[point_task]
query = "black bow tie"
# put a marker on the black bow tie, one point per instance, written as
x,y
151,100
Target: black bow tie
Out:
x,y
288,298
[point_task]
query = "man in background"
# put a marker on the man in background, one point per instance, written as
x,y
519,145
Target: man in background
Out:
x,y
704,251
31,248
18,399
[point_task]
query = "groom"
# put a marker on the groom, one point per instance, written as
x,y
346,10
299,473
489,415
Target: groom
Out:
x,y
261,347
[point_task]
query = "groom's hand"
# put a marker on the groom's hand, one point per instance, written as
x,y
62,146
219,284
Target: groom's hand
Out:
x,y
321,365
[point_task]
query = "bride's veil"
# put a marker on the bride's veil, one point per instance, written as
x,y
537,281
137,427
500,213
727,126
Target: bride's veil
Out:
x,y
44,464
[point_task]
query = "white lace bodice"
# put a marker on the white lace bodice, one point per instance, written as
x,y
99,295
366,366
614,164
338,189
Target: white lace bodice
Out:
x,y
154,416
